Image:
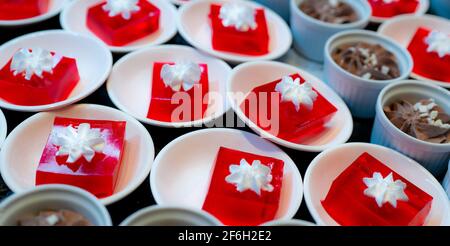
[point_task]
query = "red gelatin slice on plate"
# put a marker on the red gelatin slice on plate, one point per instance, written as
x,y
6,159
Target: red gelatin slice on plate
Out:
x,y
253,42
95,170
59,77
431,64
383,8
191,105
245,207
291,124
22,9
348,204
125,26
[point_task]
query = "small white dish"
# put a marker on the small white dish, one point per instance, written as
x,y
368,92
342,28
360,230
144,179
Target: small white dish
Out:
x,y
324,169
170,216
129,85
73,18
194,27
94,62
53,197
288,223
18,170
421,10
185,165
54,8
246,77
433,156
403,28
3,128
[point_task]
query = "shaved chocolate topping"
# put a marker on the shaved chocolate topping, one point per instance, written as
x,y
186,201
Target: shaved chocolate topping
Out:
x,y
424,120
331,11
369,61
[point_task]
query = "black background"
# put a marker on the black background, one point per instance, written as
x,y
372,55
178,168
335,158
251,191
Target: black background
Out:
x,y
142,196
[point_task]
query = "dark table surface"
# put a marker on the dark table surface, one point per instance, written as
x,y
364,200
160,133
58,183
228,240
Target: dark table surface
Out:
x,y
142,196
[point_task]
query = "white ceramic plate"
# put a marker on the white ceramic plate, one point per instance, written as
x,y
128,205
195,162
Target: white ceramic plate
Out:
x,y
421,10
3,128
54,8
324,169
246,77
185,165
193,25
403,28
22,149
73,18
94,62
129,85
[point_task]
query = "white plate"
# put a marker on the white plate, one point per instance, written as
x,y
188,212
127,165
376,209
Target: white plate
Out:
x,y
182,170
246,77
129,85
403,28
73,18
94,62
22,149
3,128
54,8
324,169
193,25
421,10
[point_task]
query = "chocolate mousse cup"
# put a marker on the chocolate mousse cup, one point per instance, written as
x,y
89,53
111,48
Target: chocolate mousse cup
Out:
x,y
313,24
404,129
360,91
15,209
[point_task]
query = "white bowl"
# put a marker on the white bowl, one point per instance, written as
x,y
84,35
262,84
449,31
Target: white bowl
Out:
x,y
310,34
18,170
403,28
53,197
246,77
327,166
129,85
185,165
421,10
3,128
73,18
194,27
170,216
361,94
54,8
94,62
434,157
288,223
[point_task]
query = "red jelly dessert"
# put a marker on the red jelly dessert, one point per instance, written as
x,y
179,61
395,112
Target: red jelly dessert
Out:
x,y
186,81
38,77
302,110
390,8
245,188
119,22
431,54
83,153
239,28
368,193
22,9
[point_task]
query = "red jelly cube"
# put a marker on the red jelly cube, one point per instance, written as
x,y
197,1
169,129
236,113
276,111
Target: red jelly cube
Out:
x,y
162,108
252,42
22,9
99,175
348,205
294,126
440,70
117,30
242,208
394,8
52,87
